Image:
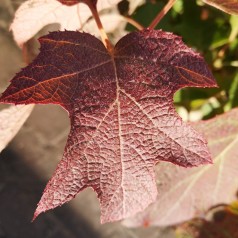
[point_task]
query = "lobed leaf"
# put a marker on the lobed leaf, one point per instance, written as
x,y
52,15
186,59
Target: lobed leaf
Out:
x,y
123,120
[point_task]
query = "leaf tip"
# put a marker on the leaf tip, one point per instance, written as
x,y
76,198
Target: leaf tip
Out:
x,y
107,219
102,220
206,160
36,214
209,160
214,84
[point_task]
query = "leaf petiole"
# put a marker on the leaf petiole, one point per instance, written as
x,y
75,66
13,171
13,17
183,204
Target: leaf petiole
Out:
x,y
162,13
103,34
134,23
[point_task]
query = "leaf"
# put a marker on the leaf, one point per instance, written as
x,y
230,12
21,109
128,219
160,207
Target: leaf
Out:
x,y
122,115
12,120
33,15
185,194
228,6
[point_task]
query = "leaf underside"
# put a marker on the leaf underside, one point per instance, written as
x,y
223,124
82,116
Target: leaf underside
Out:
x,y
122,115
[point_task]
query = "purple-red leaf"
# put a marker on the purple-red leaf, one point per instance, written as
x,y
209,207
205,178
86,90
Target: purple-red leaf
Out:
x,y
185,194
122,115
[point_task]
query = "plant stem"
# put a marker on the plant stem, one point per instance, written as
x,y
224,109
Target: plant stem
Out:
x,y
162,13
134,23
104,36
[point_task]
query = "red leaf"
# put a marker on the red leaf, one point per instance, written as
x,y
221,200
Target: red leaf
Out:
x,y
122,116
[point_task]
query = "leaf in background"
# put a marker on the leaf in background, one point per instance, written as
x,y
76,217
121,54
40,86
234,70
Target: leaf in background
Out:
x,y
188,193
12,120
122,115
228,6
134,4
33,15
111,22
